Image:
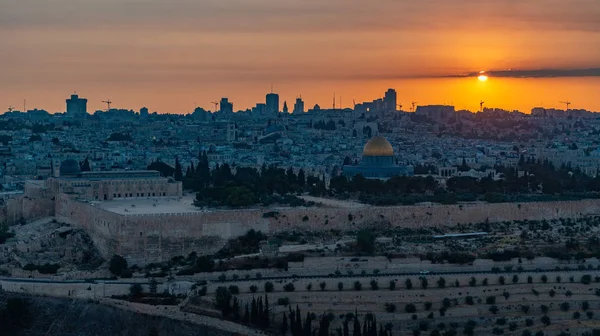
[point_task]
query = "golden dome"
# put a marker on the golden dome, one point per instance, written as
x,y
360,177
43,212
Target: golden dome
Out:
x,y
378,146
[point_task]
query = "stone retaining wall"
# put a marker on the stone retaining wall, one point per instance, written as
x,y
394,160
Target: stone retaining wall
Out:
x,y
159,237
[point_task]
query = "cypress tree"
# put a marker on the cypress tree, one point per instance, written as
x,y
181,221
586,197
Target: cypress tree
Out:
x,y
307,324
267,321
178,175
284,325
292,322
324,326
261,313
346,329
298,321
236,309
253,311
86,165
301,178
357,331
246,318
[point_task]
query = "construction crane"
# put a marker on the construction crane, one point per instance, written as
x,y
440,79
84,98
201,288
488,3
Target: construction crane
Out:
x,y
107,102
216,105
413,106
568,103
481,105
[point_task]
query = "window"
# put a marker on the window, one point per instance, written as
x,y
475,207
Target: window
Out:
x,y
140,234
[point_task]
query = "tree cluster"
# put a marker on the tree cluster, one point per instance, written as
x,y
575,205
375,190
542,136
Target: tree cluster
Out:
x,y
164,169
248,186
298,326
256,313
523,183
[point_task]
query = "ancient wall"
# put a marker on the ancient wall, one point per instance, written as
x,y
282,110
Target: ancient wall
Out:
x,y
150,238
101,225
144,239
26,208
426,216
345,219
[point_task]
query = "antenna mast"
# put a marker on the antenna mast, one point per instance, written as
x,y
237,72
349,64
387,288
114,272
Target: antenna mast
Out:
x,y
334,101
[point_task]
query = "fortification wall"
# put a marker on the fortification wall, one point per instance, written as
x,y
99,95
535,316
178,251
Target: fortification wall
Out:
x,y
101,225
26,208
144,239
150,238
428,216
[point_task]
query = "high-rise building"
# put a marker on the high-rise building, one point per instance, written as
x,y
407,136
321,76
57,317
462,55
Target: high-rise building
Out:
x,y
226,107
299,106
76,107
272,103
144,112
390,100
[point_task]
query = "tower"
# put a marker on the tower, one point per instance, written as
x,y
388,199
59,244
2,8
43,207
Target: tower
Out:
x,y
226,106
390,100
299,106
272,100
144,112
285,108
231,132
76,107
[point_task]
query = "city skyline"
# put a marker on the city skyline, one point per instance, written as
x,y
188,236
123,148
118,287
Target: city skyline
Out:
x,y
169,55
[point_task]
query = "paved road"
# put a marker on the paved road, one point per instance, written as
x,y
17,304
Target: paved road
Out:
x,y
51,281
318,276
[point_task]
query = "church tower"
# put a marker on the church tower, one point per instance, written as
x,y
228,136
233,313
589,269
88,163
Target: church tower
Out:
x,y
285,108
231,132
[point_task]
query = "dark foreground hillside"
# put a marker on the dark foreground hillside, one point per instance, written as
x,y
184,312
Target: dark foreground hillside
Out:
x,y
33,316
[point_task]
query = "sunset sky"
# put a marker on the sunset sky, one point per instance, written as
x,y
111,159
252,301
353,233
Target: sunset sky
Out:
x,y
170,54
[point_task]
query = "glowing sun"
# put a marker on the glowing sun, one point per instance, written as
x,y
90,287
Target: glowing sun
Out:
x,y
482,77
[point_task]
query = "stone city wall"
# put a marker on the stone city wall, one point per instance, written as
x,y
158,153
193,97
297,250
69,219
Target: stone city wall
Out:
x,y
159,237
144,239
26,208
426,216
